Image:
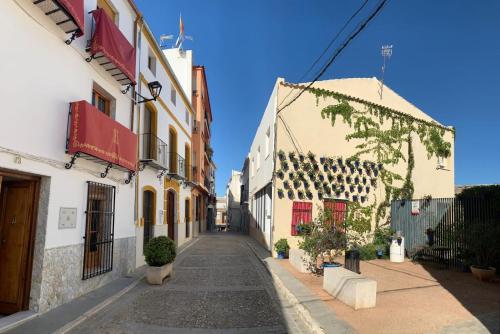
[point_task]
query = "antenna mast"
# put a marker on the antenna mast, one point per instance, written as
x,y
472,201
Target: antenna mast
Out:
x,y
386,52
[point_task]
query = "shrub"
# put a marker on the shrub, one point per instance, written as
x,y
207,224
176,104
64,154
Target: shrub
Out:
x,y
159,251
281,246
367,252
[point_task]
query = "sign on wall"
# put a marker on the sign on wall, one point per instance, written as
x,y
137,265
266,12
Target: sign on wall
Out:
x,y
67,218
415,208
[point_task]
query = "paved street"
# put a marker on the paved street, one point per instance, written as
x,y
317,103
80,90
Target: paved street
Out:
x,y
218,286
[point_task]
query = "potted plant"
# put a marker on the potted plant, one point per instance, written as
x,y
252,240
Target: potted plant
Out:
x,y
312,175
300,193
300,174
286,184
320,195
321,177
284,165
281,247
311,156
315,167
330,161
290,194
281,155
326,189
280,174
330,177
302,157
296,183
291,156
340,162
296,165
309,194
317,184
360,189
307,166
291,175
334,168
322,160
159,253
306,184
483,245
281,193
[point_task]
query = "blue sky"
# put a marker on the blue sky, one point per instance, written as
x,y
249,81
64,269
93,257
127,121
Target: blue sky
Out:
x,y
446,60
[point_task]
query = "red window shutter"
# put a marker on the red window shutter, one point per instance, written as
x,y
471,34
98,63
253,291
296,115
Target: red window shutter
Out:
x,y
338,210
301,212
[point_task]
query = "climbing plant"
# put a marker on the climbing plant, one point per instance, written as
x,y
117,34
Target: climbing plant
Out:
x,y
385,142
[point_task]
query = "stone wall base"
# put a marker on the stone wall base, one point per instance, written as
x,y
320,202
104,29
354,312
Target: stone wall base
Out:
x,y
62,273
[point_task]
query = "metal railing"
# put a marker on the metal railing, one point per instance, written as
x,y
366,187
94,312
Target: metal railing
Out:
x,y
446,230
176,165
153,151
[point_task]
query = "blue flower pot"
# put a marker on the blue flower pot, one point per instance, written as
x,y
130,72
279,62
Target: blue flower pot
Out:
x,y
281,255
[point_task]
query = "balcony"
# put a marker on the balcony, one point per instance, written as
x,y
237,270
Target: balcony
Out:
x,y
176,166
67,14
111,49
94,136
153,151
196,127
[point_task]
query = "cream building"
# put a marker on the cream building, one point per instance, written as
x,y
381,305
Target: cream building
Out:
x,y
233,196
315,153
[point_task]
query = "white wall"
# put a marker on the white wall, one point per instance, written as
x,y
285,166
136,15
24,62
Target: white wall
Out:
x,y
42,75
260,176
181,62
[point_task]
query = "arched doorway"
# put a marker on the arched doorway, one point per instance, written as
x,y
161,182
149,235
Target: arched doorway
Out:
x,y
171,214
148,214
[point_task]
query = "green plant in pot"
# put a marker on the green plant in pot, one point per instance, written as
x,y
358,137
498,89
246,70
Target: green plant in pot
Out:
x,y
159,254
281,155
281,247
482,247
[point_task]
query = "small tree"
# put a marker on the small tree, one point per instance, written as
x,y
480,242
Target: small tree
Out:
x,y
324,237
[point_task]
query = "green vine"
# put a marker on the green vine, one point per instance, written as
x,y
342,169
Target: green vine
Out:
x,y
385,143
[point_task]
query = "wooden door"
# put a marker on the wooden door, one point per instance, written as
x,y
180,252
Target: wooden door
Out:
x,y
95,234
16,242
171,214
148,212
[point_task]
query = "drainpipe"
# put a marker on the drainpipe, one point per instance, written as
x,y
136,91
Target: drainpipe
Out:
x,y
139,20
273,178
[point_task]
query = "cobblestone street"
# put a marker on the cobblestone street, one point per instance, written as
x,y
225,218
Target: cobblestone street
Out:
x,y
218,285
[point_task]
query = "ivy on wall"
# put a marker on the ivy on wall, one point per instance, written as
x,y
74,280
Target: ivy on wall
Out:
x,y
385,143
383,132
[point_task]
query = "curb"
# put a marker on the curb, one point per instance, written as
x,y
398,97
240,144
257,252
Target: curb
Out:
x,y
305,303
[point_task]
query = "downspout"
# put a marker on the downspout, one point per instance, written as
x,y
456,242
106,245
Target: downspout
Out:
x,y
273,178
138,20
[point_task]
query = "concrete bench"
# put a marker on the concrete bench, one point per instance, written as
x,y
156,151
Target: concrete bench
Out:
x,y
350,288
299,260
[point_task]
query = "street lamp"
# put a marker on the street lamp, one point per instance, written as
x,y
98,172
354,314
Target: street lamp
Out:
x,y
154,89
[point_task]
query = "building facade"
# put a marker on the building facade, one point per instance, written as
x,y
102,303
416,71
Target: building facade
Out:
x,y
67,212
203,166
96,153
342,143
233,196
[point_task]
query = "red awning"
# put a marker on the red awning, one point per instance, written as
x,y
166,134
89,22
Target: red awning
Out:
x,y
109,46
67,14
95,134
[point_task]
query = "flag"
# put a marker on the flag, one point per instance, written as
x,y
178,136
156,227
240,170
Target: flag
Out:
x,y
180,39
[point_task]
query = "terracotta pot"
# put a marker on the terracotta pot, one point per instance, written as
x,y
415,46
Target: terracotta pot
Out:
x,y
483,274
156,275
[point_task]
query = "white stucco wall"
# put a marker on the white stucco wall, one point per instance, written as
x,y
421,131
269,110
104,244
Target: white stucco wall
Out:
x,y
43,76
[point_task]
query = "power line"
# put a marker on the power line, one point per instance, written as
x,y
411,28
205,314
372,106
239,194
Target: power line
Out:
x,y
328,47
360,28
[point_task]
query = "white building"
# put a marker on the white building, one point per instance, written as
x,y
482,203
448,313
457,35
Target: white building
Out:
x,y
67,231
90,166
233,196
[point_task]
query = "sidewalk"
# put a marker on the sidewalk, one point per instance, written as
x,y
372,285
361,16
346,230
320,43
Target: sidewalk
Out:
x,y
66,316
313,311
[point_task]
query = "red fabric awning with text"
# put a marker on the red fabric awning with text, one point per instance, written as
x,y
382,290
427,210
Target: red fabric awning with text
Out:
x,y
75,9
95,134
110,41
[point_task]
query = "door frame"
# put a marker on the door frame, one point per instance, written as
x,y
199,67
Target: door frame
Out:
x,y
32,233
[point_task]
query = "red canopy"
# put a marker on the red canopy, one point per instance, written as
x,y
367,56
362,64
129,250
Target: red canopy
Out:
x,y
95,134
75,9
109,41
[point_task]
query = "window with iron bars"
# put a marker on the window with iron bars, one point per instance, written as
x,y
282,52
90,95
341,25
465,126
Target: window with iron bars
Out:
x,y
99,230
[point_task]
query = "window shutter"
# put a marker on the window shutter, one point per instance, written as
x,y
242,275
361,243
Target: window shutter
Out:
x,y
301,212
338,210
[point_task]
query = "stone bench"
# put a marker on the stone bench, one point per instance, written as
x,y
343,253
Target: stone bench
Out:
x,y
350,288
299,260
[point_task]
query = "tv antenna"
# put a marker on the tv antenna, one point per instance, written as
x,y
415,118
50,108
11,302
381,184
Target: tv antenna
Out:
x,y
180,39
386,52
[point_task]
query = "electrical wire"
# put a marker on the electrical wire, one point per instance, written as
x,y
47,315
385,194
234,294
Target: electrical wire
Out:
x,y
351,37
327,48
